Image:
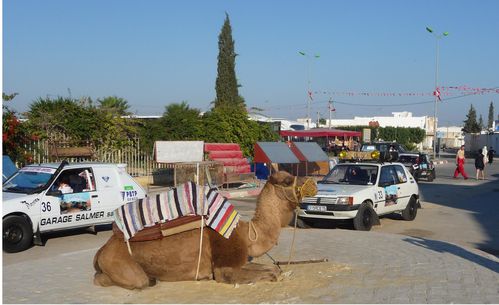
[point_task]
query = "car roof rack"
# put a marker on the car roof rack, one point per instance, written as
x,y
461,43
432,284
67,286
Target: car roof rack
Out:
x,y
374,156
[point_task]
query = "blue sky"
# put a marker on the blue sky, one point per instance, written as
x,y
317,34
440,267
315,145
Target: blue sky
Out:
x,y
153,53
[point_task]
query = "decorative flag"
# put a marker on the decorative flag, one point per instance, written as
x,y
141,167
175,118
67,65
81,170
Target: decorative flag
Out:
x,y
310,95
437,94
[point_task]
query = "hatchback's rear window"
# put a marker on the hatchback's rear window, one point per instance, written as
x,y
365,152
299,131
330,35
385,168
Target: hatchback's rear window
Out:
x,y
408,159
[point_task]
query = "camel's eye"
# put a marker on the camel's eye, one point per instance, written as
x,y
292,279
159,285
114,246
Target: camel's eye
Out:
x,y
288,181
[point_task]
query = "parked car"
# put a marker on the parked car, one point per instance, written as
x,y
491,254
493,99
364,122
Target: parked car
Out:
x,y
383,147
419,165
362,191
48,197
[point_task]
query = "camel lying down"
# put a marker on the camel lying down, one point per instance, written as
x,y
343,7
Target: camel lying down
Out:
x,y
175,257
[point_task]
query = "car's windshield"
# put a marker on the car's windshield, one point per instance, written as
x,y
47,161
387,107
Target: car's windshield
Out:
x,y
29,179
352,174
368,147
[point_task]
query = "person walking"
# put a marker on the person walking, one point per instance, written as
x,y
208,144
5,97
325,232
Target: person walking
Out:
x,y
479,165
460,159
490,154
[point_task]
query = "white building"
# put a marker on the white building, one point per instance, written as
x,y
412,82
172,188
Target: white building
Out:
x,y
399,119
451,136
285,123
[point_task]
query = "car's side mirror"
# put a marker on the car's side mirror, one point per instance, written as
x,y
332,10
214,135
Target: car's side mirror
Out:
x,y
56,193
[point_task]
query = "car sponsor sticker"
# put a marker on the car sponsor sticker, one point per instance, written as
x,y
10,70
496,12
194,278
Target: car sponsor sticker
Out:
x,y
128,196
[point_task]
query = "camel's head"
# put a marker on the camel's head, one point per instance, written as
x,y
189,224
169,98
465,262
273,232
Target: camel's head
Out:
x,y
291,188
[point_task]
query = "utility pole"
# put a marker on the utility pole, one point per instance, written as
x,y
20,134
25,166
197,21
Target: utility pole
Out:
x,y
330,107
436,92
309,87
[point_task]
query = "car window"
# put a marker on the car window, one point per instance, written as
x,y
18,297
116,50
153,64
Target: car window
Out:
x,y
368,148
354,174
75,181
401,176
29,179
408,159
386,176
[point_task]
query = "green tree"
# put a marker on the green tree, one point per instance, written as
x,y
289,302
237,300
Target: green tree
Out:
x,y
480,122
227,94
224,127
490,121
180,122
470,124
80,121
115,105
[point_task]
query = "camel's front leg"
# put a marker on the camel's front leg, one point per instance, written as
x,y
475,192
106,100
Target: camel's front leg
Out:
x,y
249,273
115,266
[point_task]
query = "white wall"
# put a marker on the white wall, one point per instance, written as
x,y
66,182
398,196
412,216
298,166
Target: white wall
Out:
x,y
473,142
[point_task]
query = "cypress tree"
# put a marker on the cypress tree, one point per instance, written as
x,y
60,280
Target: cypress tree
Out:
x,y
227,94
491,116
470,124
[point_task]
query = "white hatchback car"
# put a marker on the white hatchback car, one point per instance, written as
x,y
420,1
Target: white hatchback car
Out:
x,y
361,191
47,197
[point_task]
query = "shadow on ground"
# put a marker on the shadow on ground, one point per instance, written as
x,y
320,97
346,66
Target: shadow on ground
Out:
x,y
444,247
481,200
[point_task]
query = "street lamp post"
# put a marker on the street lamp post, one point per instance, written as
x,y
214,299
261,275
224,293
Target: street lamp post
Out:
x,y
436,92
309,92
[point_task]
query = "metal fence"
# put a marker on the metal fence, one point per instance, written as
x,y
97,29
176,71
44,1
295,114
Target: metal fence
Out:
x,y
139,162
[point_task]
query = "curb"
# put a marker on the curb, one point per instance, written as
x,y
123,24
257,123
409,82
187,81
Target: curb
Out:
x,y
437,162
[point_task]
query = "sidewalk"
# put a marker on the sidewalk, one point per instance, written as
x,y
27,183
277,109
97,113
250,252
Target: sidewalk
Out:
x,y
363,267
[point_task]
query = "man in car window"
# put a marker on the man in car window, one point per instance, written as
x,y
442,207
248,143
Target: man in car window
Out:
x,y
64,186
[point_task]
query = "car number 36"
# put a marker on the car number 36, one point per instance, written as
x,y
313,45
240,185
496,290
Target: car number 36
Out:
x,y
46,207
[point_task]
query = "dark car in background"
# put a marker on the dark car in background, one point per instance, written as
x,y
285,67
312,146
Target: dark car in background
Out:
x,y
383,147
419,165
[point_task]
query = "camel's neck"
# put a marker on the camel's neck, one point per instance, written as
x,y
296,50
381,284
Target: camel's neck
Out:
x,y
265,227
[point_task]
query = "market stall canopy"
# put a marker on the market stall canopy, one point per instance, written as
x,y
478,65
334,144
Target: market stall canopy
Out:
x,y
274,152
320,132
308,151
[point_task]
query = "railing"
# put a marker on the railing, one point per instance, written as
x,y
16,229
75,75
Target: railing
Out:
x,y
139,162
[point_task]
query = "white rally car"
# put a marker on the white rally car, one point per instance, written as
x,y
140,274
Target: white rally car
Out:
x,y
361,191
48,197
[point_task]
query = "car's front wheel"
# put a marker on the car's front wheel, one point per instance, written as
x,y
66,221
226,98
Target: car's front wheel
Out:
x,y
411,210
17,234
364,219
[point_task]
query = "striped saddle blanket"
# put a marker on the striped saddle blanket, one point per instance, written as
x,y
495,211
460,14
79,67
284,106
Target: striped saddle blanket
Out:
x,y
185,200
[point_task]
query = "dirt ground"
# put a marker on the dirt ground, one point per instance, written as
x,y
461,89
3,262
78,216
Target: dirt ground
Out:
x,y
297,282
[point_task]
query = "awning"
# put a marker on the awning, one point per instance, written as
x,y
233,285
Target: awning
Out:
x,y
320,132
308,151
274,152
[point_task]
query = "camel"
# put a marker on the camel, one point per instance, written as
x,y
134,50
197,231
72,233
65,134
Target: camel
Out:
x,y
175,257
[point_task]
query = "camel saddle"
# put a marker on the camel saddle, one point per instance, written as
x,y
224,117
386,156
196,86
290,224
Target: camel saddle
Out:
x,y
160,230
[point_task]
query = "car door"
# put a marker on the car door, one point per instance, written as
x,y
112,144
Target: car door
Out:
x,y
388,190
403,182
71,205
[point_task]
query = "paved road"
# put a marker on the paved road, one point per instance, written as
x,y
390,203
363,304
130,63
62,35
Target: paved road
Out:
x,y
456,210
437,263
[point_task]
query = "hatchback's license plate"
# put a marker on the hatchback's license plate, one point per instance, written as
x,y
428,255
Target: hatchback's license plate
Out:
x,y
317,208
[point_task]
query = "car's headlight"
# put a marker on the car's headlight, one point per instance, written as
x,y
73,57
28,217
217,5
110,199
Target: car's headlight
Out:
x,y
345,200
